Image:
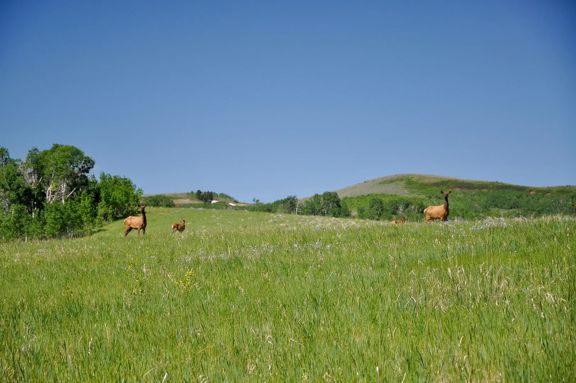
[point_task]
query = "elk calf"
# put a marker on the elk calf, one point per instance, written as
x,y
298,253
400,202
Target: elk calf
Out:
x,y
179,226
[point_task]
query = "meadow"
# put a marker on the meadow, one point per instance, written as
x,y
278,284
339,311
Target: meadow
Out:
x,y
245,296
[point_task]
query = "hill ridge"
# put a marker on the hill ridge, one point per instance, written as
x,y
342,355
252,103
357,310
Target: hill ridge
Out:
x,y
392,184
396,184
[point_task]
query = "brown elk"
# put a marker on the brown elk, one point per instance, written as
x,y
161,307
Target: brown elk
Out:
x,y
136,223
438,212
179,226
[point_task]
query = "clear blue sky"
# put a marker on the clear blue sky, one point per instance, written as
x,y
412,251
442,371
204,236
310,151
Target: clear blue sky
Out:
x,y
265,99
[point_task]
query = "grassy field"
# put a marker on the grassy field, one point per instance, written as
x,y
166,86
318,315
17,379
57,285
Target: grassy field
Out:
x,y
243,296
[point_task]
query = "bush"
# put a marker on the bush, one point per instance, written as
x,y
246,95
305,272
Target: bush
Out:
x,y
63,219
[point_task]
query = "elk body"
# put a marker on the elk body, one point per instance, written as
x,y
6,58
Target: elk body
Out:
x,y
179,226
438,212
136,223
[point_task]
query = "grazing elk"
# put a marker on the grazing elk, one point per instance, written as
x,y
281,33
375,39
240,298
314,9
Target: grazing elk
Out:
x,y
137,223
439,212
179,226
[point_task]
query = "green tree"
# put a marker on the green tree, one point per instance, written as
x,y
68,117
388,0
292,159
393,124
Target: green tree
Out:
x,y
205,196
327,204
30,189
290,204
312,205
64,219
4,156
12,184
331,205
87,208
20,207
375,209
118,197
13,222
61,172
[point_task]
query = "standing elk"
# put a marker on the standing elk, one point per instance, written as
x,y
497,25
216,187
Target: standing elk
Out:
x,y
179,226
136,223
438,212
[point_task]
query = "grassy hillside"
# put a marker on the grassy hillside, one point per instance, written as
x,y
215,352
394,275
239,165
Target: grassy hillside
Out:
x,y
407,195
243,296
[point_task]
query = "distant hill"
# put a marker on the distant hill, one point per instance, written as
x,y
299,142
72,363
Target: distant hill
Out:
x,y
413,184
184,199
395,184
406,195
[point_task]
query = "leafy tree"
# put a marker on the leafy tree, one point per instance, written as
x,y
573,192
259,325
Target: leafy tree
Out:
x,y
65,219
61,172
4,156
286,205
313,205
118,197
20,214
205,196
30,189
13,222
375,209
327,204
12,184
87,208
289,205
32,168
332,206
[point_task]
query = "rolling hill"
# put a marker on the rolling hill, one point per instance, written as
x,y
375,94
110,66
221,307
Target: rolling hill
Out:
x,y
407,194
414,184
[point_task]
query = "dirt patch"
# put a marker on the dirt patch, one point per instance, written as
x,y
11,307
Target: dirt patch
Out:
x,y
377,186
183,201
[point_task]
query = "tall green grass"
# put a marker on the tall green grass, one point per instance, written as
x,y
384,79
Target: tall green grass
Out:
x,y
244,296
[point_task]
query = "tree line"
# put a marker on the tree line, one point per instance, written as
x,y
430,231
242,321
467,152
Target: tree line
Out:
x,y
51,193
325,204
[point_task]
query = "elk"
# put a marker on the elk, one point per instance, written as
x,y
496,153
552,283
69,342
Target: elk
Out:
x,y
400,221
179,226
440,212
137,223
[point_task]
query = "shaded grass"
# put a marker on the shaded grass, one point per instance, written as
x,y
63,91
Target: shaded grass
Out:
x,y
249,297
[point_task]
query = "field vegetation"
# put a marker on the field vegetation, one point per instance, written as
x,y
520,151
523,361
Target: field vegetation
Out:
x,y
245,296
